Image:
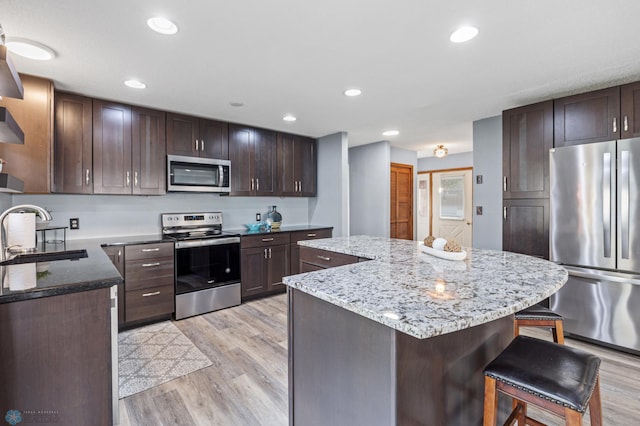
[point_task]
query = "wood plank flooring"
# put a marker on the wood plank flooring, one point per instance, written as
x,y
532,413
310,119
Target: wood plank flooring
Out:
x,y
247,383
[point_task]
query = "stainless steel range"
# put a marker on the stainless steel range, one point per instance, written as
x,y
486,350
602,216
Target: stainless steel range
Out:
x,y
207,262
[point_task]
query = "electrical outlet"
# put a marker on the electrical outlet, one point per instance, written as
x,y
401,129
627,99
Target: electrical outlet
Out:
x,y
479,210
74,223
258,217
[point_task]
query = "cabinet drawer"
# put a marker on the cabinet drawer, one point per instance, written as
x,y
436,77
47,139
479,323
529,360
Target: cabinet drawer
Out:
x,y
324,258
310,235
149,303
264,240
148,251
148,268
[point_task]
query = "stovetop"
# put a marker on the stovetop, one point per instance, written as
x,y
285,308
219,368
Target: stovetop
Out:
x,y
193,226
198,235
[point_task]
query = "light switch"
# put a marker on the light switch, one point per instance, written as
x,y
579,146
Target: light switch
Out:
x,y
479,181
478,210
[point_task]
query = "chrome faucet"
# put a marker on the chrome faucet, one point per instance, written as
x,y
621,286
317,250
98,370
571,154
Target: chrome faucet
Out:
x,y
45,215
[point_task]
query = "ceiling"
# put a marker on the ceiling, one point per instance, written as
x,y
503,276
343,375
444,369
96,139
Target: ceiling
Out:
x,y
297,57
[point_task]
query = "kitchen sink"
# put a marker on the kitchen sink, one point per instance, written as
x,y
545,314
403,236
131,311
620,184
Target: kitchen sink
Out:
x,y
45,257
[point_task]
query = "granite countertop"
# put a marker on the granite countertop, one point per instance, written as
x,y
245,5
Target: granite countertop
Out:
x,y
42,279
284,228
422,295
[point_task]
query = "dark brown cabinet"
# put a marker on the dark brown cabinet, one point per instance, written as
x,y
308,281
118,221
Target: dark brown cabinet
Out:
x,y
253,161
313,259
197,137
116,255
630,110
148,151
527,134
302,236
72,145
111,148
296,165
587,117
526,227
264,260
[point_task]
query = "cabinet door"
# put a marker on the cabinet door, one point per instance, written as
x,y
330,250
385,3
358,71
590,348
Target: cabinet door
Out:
x,y
306,166
116,255
240,154
111,148
214,139
33,113
264,161
526,227
182,133
630,110
287,179
527,136
148,151
72,145
587,118
253,264
278,266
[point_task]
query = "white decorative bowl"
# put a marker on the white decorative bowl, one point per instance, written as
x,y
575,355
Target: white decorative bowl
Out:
x,y
449,255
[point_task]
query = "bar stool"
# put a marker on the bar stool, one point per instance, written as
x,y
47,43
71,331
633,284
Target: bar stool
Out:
x,y
556,378
539,316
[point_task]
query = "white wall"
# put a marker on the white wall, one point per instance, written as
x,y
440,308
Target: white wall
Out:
x,y
331,205
453,161
404,156
487,161
369,186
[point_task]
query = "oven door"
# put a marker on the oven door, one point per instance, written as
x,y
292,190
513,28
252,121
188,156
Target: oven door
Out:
x,y
207,263
197,174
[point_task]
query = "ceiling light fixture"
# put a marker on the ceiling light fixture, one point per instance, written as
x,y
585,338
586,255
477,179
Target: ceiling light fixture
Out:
x,y
162,25
30,49
463,34
135,84
352,92
440,151
289,117
390,133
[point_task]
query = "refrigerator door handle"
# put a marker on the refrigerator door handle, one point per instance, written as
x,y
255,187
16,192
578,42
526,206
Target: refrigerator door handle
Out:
x,y
606,202
624,204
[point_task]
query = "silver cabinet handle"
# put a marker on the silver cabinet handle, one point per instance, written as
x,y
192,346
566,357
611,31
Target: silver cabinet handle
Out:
x,y
606,202
265,253
504,183
252,184
264,240
155,293
135,178
197,145
86,178
325,258
624,203
202,145
311,235
625,123
128,177
504,213
149,265
615,125
119,254
151,249
257,184
269,252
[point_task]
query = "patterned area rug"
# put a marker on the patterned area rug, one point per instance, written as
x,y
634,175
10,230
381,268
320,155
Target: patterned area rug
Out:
x,y
155,354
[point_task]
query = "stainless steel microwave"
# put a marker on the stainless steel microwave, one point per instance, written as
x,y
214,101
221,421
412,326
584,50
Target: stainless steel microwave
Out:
x,y
197,174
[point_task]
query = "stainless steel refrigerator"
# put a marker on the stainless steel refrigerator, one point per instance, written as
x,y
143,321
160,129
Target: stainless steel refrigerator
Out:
x,y
594,229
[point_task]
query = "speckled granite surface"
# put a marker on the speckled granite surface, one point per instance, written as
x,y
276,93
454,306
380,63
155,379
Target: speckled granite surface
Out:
x,y
425,296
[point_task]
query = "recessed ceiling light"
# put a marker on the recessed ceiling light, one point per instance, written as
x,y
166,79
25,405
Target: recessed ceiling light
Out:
x,y
162,25
463,34
289,117
30,49
391,133
135,84
352,92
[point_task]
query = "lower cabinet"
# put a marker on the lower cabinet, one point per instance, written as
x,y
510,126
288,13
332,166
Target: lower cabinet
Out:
x,y
303,236
149,289
525,227
313,259
264,260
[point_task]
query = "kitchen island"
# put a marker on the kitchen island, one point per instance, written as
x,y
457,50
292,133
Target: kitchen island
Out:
x,y
403,338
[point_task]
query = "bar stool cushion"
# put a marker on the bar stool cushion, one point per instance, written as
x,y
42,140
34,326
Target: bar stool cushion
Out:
x,y
537,312
560,374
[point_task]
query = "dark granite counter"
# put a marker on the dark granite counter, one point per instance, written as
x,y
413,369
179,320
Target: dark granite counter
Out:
x,y
32,280
287,228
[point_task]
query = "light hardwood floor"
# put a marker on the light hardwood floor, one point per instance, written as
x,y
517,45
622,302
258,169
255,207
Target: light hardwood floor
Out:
x,y
247,383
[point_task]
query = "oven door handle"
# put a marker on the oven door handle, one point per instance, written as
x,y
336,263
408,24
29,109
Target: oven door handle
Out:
x,y
207,242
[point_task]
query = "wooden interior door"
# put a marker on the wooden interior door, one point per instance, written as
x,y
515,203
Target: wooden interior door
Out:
x,y
401,201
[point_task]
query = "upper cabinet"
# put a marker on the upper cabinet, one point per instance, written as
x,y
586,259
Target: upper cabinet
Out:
x,y
587,117
197,137
31,161
296,165
72,145
148,151
527,136
630,110
253,161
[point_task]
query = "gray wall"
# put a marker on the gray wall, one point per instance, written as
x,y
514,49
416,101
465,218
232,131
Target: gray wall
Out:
x,y
453,161
331,205
5,201
404,156
369,188
487,161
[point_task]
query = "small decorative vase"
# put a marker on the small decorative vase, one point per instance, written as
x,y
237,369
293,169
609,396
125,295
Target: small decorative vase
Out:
x,y
275,218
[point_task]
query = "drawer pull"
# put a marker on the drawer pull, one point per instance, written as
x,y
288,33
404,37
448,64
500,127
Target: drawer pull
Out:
x,y
264,240
152,249
148,265
311,235
154,293
325,258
